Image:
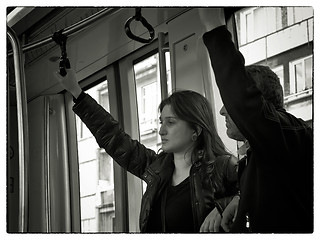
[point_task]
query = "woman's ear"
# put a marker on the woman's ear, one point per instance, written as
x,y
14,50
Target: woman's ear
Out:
x,y
199,130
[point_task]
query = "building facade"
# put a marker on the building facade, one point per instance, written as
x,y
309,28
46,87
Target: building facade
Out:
x,y
282,38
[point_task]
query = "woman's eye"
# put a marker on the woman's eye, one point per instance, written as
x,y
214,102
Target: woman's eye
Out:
x,y
166,121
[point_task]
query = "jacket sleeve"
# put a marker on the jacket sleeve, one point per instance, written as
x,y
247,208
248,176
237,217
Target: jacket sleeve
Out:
x,y
229,173
257,119
128,153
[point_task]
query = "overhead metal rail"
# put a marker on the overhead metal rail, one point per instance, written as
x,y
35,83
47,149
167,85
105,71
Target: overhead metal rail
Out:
x,y
71,30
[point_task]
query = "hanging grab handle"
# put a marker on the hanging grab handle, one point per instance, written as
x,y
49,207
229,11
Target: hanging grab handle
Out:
x,y
138,17
61,40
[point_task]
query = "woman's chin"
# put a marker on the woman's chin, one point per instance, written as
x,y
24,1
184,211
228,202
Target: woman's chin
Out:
x,y
165,149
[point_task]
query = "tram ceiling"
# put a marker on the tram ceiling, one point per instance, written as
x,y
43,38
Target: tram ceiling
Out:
x,y
40,24
33,24
37,24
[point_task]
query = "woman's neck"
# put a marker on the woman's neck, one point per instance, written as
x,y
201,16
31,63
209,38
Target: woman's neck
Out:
x,y
182,164
182,160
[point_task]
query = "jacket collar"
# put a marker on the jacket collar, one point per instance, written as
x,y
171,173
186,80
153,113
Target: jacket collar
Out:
x,y
242,151
165,166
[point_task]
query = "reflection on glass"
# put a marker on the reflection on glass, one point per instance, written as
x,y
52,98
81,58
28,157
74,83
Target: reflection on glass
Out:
x,y
96,174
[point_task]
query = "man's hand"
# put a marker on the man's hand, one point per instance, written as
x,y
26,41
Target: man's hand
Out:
x,y
212,222
229,214
211,18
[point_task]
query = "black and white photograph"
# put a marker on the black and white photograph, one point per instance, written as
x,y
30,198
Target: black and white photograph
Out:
x,y
150,120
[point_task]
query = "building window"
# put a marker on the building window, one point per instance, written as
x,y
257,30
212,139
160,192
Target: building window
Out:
x,y
106,220
298,14
147,76
301,75
253,24
148,107
279,71
105,168
104,97
88,224
148,94
79,127
82,130
248,23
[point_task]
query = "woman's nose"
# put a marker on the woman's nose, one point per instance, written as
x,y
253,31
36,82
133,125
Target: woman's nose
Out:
x,y
162,131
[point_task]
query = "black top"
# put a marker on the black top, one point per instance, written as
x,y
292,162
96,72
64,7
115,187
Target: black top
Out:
x,y
154,223
179,217
178,211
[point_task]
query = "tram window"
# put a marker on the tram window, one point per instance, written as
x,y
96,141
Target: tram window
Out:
x,y
96,174
147,78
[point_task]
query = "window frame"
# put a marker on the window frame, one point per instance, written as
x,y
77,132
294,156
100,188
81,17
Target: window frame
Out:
x,y
292,75
131,123
109,73
276,26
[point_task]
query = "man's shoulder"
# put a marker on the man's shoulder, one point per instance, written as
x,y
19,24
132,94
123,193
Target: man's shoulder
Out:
x,y
290,122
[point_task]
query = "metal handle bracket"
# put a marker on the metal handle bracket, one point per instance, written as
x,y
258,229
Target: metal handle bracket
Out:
x,y
61,40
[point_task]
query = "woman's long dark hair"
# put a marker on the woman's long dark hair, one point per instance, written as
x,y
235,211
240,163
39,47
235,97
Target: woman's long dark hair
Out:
x,y
195,109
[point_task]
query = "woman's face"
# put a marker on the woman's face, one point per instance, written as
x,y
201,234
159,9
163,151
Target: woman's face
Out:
x,y
176,134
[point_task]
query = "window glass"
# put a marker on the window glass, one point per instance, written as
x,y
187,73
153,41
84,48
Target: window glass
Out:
x,y
308,72
249,27
301,75
96,174
279,71
148,90
299,82
301,13
278,36
259,22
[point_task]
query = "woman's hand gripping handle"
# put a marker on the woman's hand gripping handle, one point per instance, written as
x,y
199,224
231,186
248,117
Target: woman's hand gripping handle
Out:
x,y
69,82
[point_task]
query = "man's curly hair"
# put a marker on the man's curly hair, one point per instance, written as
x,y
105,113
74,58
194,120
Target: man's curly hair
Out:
x,y
268,83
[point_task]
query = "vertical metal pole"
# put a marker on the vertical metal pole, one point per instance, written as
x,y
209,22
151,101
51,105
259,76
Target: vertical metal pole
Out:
x,y
23,135
46,162
162,63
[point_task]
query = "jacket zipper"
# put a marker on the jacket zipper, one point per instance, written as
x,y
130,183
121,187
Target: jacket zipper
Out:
x,y
248,227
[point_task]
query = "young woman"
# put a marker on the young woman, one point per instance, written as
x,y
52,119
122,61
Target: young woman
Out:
x,y
193,178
